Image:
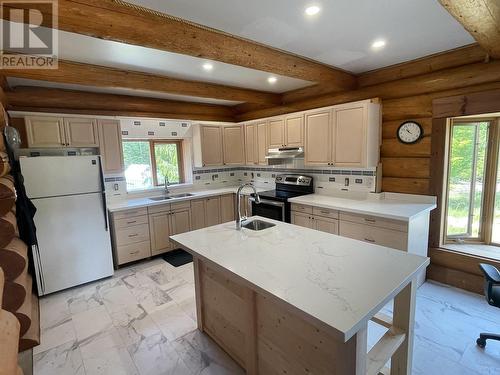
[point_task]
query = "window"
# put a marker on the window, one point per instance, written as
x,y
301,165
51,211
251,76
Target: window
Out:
x,y
149,162
473,182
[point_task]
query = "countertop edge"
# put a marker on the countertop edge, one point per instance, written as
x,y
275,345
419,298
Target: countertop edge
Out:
x,y
332,206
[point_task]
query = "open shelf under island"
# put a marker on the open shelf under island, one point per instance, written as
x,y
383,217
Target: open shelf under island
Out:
x,y
293,300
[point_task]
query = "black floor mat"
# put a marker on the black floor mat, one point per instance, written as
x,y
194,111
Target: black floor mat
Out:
x,y
178,257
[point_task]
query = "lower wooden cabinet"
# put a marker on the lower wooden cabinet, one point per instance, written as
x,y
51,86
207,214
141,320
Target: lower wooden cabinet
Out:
x,y
159,229
144,232
174,220
227,206
206,212
376,235
130,236
323,224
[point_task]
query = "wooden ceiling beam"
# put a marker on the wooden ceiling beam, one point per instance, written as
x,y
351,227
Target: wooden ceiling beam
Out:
x,y
100,76
481,18
442,80
47,99
444,60
119,21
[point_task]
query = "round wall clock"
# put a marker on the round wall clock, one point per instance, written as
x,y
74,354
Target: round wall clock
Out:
x,y
410,132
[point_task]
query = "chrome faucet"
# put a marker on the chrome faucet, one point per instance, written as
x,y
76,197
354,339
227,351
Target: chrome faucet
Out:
x,y
240,219
167,192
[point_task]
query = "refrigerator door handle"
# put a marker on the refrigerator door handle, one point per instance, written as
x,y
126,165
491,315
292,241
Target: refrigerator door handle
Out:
x,y
38,268
103,189
104,208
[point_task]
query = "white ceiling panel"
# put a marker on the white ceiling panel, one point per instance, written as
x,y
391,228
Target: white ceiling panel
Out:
x,y
340,35
81,48
14,82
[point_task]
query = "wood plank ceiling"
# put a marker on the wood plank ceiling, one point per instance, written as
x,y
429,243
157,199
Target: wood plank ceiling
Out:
x,y
111,20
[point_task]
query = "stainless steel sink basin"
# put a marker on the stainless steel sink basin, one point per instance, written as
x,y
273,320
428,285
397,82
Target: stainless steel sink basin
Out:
x,y
182,195
159,198
258,225
172,196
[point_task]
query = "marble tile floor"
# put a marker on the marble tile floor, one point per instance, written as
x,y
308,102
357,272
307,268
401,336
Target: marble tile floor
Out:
x,y
143,321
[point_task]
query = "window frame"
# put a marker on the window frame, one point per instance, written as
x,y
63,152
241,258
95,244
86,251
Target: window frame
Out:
x,y
490,177
152,156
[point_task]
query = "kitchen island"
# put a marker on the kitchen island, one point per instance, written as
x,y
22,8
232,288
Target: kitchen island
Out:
x,y
292,300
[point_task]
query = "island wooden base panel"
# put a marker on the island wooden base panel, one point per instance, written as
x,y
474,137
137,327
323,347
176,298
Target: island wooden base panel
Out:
x,y
266,337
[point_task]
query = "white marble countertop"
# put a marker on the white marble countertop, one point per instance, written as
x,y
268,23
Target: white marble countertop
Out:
x,y
388,208
132,203
338,281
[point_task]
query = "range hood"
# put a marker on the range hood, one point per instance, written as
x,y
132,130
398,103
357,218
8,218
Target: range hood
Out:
x,y
285,153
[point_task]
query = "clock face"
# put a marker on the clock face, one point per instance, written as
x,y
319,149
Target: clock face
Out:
x,y
409,132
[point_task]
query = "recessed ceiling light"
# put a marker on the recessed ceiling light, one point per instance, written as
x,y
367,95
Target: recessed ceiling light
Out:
x,y
312,10
272,80
378,44
208,67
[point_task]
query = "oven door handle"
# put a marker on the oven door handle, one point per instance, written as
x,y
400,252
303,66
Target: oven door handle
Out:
x,y
265,201
273,203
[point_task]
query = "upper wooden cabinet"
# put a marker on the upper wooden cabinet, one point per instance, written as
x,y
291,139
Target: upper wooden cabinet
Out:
x,y
287,131
262,143
356,134
44,131
81,132
294,131
347,135
251,144
234,145
207,143
256,143
318,147
276,133
110,145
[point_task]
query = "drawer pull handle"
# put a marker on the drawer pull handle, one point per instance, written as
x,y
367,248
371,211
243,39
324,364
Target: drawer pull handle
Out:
x,y
371,220
369,240
131,222
135,252
133,235
325,212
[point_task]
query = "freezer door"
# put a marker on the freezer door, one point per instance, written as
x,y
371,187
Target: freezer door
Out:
x,y
51,176
74,245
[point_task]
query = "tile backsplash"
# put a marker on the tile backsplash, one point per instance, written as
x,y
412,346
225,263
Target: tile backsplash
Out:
x,y
326,181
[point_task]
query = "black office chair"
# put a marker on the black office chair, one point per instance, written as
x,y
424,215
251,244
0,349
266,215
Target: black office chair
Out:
x,y
492,292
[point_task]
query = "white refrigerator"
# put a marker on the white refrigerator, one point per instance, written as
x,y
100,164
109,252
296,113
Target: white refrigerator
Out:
x,y
74,245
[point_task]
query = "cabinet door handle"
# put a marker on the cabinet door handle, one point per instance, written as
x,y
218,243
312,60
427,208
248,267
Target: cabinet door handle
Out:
x,y
135,252
132,222
369,240
325,212
133,235
370,220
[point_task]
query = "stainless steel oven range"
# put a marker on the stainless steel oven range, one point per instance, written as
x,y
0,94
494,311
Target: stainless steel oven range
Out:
x,y
274,203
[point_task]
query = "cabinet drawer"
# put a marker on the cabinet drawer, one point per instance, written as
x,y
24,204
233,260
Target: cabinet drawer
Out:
x,y
181,205
302,208
375,221
379,236
326,212
159,208
130,213
125,223
133,234
136,251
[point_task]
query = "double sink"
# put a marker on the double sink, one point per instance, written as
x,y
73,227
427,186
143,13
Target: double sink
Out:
x,y
172,196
